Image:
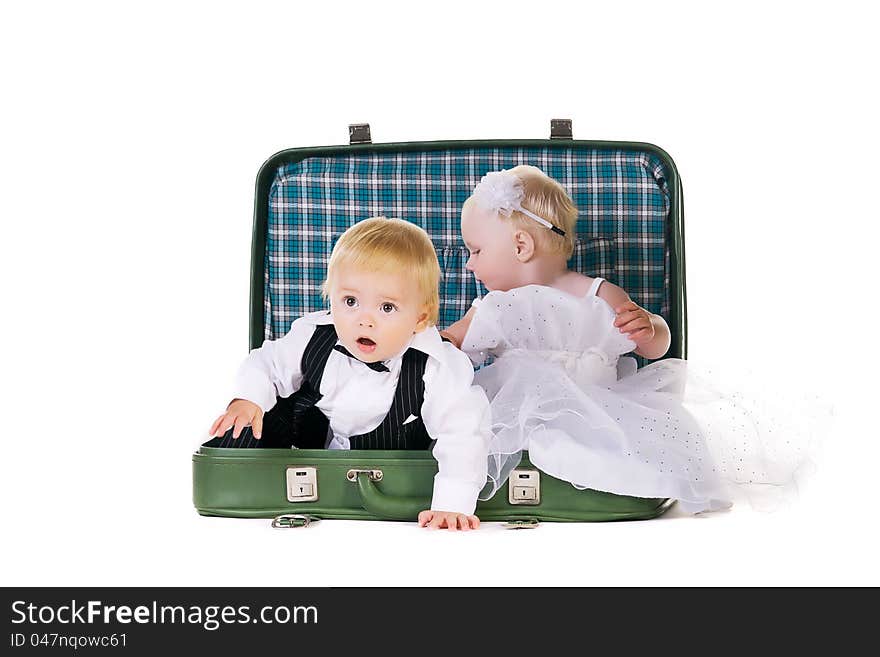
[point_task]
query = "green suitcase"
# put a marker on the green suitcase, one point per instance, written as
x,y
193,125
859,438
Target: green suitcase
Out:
x,y
630,194
381,485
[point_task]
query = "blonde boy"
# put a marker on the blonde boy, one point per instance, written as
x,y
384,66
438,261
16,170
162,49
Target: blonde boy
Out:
x,y
372,372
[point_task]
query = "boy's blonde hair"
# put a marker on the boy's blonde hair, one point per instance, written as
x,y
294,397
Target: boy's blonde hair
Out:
x,y
390,246
548,199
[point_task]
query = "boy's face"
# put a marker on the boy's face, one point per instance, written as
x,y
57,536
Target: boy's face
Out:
x,y
490,242
375,313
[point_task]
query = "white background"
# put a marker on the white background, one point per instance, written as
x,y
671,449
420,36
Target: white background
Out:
x,y
131,138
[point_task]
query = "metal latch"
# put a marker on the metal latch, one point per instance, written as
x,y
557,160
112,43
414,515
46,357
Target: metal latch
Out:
x,y
302,484
560,129
524,487
359,133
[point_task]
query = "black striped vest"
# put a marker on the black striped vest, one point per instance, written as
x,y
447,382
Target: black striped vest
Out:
x,y
297,421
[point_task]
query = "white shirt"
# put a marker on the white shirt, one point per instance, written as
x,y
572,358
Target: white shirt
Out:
x,y
356,399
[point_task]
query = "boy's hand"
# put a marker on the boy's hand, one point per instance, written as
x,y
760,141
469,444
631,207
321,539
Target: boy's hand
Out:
x,y
239,413
448,520
636,322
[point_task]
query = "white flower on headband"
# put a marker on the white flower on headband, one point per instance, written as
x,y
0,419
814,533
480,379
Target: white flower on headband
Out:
x,y
502,192
499,191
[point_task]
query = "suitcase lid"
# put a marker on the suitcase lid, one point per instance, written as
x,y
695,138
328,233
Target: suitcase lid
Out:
x,y
629,229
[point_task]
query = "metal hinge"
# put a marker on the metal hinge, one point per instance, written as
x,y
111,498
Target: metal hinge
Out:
x,y
359,133
293,521
521,523
560,129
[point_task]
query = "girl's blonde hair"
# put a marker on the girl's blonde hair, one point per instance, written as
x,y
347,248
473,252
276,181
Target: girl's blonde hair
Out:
x,y
548,199
389,246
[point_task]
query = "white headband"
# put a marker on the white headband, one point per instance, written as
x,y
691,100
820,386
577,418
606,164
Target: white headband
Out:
x,y
502,192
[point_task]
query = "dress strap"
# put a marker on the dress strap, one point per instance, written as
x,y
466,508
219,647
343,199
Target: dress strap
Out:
x,y
594,288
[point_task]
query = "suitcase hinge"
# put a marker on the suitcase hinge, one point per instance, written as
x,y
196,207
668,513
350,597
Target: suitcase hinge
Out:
x,y
293,521
359,133
560,129
522,523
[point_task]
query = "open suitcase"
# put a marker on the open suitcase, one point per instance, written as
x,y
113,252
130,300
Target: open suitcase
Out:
x,y
630,231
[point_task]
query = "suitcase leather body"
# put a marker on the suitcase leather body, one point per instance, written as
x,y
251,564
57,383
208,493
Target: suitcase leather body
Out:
x,y
263,483
630,231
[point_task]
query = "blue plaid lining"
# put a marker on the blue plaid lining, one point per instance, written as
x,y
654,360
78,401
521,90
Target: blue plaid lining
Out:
x,y
622,231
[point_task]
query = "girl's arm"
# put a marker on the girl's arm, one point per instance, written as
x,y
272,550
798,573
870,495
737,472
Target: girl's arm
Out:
x,y
656,347
456,332
650,332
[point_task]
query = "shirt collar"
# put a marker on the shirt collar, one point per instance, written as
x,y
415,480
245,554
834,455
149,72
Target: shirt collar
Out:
x,y
429,342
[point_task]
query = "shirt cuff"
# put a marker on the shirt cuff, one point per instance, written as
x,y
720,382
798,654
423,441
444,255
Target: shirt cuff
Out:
x,y
454,496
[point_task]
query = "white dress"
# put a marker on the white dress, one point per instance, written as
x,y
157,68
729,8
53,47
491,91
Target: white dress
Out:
x,y
559,388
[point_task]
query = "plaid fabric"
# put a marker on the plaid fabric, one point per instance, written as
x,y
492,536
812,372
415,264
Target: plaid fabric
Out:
x,y
622,198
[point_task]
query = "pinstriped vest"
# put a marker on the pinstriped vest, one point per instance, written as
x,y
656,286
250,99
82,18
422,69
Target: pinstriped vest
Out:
x,y
298,418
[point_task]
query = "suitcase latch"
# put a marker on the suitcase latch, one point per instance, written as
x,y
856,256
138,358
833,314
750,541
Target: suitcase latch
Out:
x,y
524,487
302,484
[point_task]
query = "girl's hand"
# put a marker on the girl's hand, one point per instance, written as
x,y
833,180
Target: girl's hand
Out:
x,y
456,332
452,338
448,520
636,322
239,414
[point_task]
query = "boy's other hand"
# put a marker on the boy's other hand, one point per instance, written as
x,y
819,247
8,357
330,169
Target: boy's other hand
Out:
x,y
448,520
239,414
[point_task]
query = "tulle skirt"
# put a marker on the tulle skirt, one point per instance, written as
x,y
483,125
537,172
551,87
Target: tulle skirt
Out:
x,y
663,431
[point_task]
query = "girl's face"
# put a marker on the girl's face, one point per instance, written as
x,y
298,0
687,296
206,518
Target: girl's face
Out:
x,y
490,242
